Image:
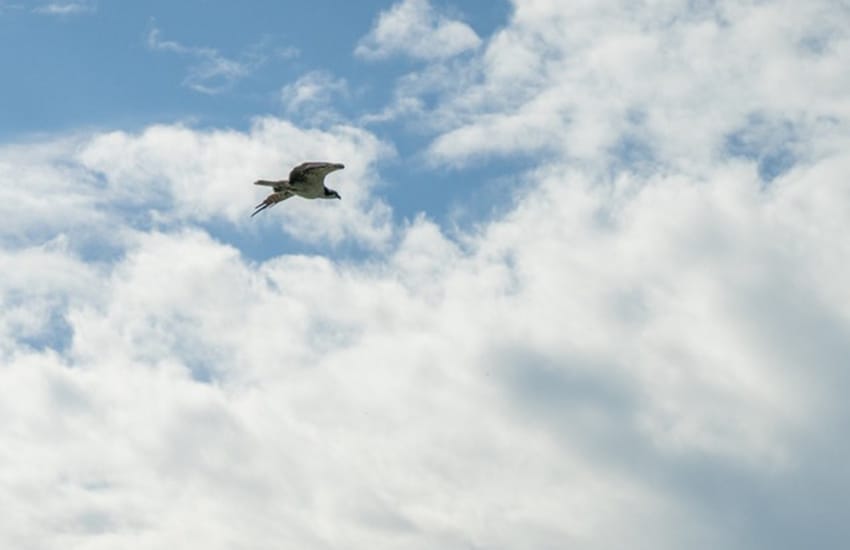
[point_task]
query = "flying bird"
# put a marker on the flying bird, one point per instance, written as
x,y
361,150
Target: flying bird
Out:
x,y
305,180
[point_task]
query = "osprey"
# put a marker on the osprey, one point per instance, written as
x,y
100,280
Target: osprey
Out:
x,y
305,180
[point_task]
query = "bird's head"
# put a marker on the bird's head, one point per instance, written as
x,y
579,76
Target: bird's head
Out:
x,y
331,194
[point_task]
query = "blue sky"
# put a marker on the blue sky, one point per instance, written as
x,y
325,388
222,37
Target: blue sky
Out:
x,y
95,68
585,288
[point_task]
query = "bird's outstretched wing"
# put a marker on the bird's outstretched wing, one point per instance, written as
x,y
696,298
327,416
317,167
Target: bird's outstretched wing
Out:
x,y
309,177
271,200
320,169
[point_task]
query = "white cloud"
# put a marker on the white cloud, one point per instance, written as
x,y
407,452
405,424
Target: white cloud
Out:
x,y
577,78
44,193
213,73
312,94
66,8
416,29
289,52
168,175
558,372
401,107
192,175
649,348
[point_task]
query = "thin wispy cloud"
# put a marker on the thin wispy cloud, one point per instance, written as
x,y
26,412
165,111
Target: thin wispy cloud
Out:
x,y
10,7
209,71
66,8
287,53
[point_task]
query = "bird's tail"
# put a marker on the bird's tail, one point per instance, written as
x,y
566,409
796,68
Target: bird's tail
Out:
x,y
270,183
262,206
271,200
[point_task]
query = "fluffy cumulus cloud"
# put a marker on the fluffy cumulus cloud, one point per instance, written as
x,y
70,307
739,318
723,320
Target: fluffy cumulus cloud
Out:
x,y
649,348
416,29
173,174
312,95
661,82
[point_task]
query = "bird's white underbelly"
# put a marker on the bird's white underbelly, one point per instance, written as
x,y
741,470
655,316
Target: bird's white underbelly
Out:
x,y
307,193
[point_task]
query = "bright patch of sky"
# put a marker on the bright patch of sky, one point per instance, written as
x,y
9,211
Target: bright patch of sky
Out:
x,y
586,285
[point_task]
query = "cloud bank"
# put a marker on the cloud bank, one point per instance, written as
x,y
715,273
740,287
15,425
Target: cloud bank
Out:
x,y
649,346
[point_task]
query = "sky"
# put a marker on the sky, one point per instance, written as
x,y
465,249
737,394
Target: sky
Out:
x,y
586,287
